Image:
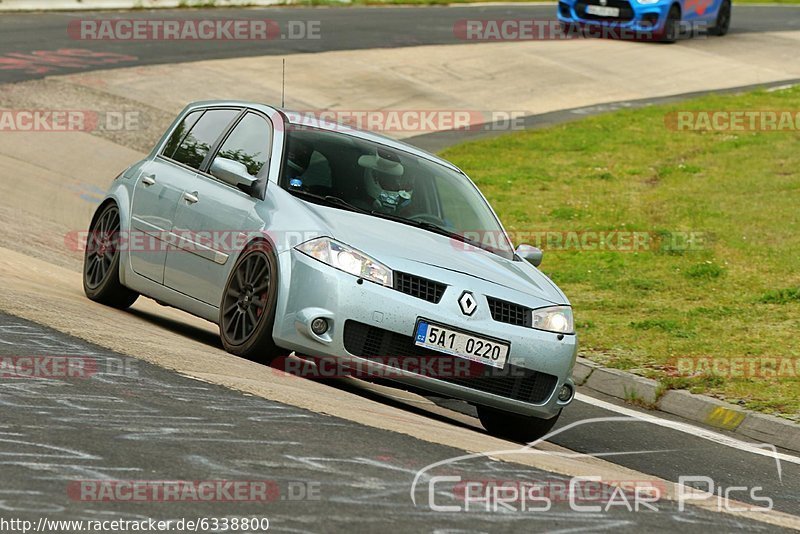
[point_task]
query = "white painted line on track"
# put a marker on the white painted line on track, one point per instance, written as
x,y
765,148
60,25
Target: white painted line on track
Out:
x,y
754,448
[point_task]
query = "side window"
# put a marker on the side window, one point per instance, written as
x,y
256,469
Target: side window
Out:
x,y
195,146
249,143
180,132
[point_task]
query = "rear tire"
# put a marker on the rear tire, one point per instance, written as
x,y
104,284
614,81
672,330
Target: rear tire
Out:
x,y
515,427
723,24
247,310
101,281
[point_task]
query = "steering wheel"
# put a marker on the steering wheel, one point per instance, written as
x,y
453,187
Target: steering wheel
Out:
x,y
427,217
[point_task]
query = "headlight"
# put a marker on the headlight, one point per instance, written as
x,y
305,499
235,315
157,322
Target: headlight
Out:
x,y
556,319
347,259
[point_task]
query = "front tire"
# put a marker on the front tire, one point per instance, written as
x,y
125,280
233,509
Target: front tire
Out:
x,y
101,281
247,311
672,26
515,427
723,23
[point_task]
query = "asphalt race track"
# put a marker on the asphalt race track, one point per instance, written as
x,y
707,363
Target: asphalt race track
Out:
x,y
353,472
354,28
167,427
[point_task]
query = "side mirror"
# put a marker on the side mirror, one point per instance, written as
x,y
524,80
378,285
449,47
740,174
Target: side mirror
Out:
x,y
531,254
231,172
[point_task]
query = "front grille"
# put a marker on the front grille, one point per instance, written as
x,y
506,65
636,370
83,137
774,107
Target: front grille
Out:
x,y
513,382
510,313
419,287
625,10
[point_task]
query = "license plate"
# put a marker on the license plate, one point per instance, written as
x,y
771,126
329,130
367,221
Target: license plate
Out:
x,y
463,345
602,11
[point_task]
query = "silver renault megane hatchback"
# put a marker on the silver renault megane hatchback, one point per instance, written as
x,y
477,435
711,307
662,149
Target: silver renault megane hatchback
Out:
x,y
295,234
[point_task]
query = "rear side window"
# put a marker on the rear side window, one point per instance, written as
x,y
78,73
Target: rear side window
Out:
x,y
180,132
249,143
195,145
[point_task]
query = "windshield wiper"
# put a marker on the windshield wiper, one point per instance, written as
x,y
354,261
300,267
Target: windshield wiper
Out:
x,y
435,228
328,199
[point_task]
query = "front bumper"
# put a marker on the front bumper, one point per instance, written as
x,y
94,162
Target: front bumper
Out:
x,y
634,21
310,289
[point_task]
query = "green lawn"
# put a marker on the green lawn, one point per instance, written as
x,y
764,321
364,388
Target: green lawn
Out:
x,y
734,294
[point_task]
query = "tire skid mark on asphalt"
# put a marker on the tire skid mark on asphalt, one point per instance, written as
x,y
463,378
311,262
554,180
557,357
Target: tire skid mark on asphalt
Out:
x,y
40,62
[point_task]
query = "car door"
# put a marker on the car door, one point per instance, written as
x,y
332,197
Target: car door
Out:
x,y
155,196
212,214
161,184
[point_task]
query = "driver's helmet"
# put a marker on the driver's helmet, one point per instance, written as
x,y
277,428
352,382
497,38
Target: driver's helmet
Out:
x,y
386,181
298,157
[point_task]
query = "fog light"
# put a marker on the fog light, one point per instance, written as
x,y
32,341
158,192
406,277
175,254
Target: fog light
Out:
x,y
650,20
319,326
565,394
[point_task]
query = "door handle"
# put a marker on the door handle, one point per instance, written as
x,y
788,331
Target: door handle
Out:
x,y
148,179
191,198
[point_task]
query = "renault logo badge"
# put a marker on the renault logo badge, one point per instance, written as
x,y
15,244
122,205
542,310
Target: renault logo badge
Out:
x,y
467,303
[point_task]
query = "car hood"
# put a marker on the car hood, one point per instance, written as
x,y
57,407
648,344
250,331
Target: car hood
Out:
x,y
406,248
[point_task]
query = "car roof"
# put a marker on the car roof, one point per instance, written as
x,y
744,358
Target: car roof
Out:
x,y
309,119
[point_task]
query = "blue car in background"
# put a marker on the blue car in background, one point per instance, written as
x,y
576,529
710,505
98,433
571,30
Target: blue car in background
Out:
x,y
658,20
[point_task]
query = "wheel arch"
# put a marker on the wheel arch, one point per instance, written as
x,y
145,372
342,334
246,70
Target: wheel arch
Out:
x,y
254,242
264,338
120,196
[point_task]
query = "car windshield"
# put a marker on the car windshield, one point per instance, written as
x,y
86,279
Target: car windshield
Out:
x,y
347,172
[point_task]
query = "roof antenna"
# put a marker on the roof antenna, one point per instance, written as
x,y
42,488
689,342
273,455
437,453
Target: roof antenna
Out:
x,y
283,85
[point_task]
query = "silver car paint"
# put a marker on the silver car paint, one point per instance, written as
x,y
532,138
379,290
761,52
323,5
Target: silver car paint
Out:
x,y
308,288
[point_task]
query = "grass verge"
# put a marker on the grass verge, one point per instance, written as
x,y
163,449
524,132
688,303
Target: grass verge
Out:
x,y
716,290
